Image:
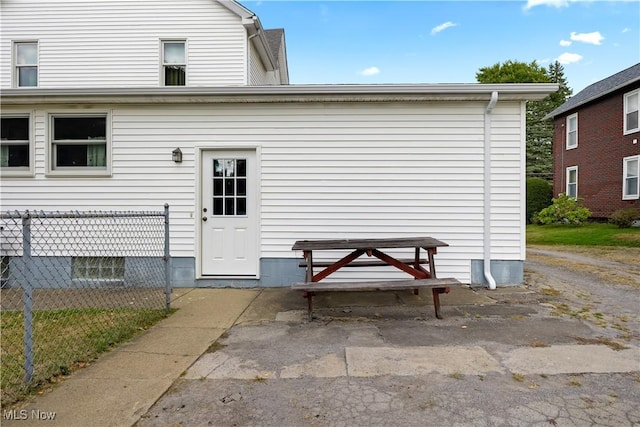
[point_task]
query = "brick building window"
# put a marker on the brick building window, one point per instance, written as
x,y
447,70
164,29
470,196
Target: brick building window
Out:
x,y
630,181
631,108
572,131
572,182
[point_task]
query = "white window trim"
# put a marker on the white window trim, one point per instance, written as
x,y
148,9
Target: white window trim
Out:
x,y
10,172
568,171
571,147
78,171
14,64
186,60
624,112
625,169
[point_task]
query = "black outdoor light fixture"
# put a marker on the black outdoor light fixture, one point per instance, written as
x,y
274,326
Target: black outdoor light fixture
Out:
x,y
176,155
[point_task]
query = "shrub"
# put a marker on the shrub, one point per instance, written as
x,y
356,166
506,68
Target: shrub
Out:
x,y
624,218
564,210
539,196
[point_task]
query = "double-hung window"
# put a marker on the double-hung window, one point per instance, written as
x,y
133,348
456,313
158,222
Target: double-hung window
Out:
x,y
630,181
631,111
572,182
15,144
174,63
26,64
79,144
572,131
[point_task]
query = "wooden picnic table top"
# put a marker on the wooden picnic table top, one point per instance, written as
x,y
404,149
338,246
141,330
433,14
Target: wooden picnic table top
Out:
x,y
365,244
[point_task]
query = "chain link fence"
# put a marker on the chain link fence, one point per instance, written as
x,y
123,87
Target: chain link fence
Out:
x,y
72,285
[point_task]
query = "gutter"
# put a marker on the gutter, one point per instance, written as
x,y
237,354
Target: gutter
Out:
x,y
487,190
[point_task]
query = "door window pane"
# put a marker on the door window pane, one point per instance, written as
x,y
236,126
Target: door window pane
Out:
x,y
229,206
217,206
241,206
230,187
217,187
242,167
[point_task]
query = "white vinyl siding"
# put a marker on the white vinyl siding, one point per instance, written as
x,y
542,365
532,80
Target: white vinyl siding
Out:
x,y
258,75
327,170
116,43
572,131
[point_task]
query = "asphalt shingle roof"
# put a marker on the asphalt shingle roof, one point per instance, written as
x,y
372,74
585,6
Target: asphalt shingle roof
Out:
x,y
274,37
599,89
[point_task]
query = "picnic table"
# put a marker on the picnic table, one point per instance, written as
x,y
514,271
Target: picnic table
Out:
x,y
422,269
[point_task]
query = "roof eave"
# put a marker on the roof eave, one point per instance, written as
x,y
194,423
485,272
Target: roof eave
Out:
x,y
278,93
560,111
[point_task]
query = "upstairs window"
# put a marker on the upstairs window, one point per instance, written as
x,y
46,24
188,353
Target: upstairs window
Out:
x,y
631,107
79,143
572,182
15,137
26,63
572,131
174,63
630,182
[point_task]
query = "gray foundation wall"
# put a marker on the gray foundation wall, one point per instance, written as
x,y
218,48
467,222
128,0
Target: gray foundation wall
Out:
x,y
274,272
506,273
56,272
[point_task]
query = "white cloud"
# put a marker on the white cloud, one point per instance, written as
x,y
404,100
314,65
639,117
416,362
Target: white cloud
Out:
x,y
590,38
565,43
626,30
442,27
371,71
569,58
554,3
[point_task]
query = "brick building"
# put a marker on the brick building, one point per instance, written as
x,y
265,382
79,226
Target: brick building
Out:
x,y
596,152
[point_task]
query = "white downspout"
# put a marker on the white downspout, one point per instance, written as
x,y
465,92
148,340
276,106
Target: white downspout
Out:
x,y
487,190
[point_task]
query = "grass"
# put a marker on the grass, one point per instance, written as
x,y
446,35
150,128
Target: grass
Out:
x,y
591,234
64,340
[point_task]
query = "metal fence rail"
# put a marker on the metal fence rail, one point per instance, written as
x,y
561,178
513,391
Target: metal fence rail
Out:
x,y
72,284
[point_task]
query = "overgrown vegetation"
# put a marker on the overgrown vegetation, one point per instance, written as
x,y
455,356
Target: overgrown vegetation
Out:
x,y
539,196
66,340
563,210
624,218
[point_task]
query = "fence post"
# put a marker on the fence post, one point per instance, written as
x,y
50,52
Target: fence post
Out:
x,y
27,297
167,259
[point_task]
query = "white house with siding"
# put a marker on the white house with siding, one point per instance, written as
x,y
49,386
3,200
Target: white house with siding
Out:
x,y
97,95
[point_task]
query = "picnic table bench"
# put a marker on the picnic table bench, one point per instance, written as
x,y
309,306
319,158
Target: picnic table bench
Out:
x,y
422,269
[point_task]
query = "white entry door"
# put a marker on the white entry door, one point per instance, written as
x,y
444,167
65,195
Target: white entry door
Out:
x,y
228,215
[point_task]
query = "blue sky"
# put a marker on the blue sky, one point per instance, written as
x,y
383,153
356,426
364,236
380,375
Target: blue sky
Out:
x,y
448,41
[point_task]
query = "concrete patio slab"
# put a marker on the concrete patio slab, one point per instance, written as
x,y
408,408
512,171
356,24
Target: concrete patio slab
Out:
x,y
572,359
406,361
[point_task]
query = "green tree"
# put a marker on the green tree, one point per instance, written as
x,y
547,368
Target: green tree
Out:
x,y
513,72
539,134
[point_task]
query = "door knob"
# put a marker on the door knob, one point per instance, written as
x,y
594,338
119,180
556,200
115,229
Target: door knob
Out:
x,y
204,218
